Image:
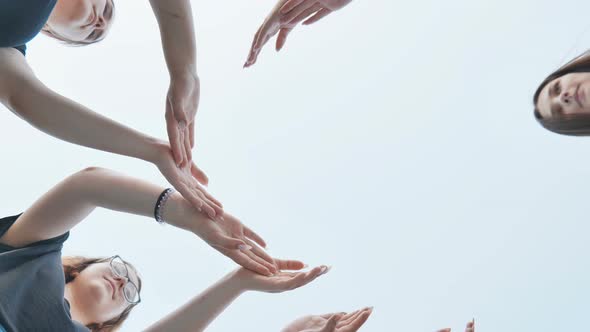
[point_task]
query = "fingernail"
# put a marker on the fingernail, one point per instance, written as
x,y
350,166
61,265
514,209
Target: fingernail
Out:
x,y
323,269
305,266
244,247
182,125
200,210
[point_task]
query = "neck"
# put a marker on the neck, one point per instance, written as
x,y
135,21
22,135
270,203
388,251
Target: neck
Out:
x,y
70,295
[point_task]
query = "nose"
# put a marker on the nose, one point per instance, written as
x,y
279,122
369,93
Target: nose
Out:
x,y
100,23
121,281
566,97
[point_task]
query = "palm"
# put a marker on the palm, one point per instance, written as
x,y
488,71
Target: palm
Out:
x,y
341,322
282,280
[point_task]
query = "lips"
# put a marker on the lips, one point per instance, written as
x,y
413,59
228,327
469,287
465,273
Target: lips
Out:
x,y
578,97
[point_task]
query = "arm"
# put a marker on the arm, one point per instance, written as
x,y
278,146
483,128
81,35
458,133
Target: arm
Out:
x,y
69,202
56,115
178,42
198,313
63,118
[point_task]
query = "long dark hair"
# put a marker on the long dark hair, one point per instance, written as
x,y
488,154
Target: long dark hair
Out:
x,y
566,124
72,266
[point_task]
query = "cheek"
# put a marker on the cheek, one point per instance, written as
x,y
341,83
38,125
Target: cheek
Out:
x,y
99,300
73,12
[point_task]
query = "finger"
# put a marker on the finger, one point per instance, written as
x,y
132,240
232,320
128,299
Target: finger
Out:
x,y
470,326
331,324
173,136
269,266
261,253
290,265
242,259
317,16
327,316
191,130
347,318
180,117
306,13
190,196
448,329
229,243
213,203
208,207
357,322
252,48
199,175
282,38
255,237
187,145
289,5
297,10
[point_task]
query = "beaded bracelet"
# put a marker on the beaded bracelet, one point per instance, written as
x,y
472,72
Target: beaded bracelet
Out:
x,y
160,204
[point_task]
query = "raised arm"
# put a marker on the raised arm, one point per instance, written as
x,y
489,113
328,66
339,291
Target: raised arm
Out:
x,y
69,202
175,20
198,313
26,96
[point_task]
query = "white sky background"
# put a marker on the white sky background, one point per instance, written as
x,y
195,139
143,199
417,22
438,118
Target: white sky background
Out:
x,y
393,140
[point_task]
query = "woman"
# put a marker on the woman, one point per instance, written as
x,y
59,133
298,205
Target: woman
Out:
x,y
98,294
82,22
562,103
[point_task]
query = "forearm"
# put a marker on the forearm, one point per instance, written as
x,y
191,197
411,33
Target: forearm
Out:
x,y
198,313
69,121
177,32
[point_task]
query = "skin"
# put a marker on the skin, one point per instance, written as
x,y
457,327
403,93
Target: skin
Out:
x,y
285,16
81,20
92,297
565,95
470,327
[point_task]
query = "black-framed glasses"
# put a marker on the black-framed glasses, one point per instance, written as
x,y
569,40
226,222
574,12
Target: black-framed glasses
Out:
x,y
121,270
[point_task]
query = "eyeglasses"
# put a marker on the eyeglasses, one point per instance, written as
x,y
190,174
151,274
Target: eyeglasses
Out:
x,y
121,270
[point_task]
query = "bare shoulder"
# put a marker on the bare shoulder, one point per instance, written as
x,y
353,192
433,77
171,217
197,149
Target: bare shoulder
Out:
x,y
14,71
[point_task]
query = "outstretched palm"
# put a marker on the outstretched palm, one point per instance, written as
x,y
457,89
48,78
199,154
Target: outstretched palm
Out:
x,y
335,322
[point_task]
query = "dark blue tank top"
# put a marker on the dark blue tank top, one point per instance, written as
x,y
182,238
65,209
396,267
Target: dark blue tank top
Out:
x,y
21,20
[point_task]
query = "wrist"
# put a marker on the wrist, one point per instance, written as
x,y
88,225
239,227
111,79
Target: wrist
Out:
x,y
156,150
179,213
235,282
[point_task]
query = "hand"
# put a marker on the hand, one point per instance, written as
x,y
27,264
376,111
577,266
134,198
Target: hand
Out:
x,y
186,181
285,16
336,322
469,328
281,281
238,242
182,102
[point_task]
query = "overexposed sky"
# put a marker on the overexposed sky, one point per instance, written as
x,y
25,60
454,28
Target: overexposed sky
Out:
x,y
393,140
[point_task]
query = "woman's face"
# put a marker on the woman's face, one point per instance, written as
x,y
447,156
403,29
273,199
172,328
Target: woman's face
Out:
x,y
568,94
99,292
81,20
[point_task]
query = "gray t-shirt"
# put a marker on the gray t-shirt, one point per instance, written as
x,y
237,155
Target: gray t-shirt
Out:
x,y
32,286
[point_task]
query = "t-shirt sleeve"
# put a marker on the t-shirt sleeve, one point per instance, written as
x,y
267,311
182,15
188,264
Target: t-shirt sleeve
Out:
x,y
23,50
7,222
